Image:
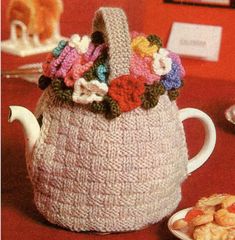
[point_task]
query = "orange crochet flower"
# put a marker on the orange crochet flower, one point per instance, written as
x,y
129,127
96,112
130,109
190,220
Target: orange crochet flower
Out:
x,y
126,90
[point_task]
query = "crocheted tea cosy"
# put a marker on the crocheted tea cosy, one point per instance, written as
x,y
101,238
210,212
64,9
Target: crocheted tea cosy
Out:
x,y
123,169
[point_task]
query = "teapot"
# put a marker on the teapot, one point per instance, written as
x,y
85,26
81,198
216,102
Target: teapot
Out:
x,y
90,173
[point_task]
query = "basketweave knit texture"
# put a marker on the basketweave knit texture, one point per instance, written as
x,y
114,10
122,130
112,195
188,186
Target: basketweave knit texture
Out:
x,y
94,174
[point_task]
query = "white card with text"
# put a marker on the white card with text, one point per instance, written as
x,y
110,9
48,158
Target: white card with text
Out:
x,y
195,40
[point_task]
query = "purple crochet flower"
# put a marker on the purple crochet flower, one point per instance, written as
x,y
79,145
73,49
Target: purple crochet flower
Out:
x,y
172,80
175,58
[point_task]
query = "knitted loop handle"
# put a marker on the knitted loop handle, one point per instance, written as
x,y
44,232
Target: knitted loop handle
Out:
x,y
112,22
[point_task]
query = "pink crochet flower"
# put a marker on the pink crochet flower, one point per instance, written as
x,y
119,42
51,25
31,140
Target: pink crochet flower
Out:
x,y
79,68
56,63
142,66
67,63
94,52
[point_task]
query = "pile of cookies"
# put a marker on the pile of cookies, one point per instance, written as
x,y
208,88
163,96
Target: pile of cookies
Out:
x,y
212,218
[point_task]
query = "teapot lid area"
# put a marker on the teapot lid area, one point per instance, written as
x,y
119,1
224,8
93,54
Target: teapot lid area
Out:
x,y
79,70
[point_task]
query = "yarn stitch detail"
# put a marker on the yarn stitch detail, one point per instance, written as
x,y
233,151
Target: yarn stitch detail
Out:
x,y
102,73
162,63
67,63
61,91
142,46
153,39
108,106
126,90
57,51
80,44
172,80
87,92
78,69
142,67
55,64
151,95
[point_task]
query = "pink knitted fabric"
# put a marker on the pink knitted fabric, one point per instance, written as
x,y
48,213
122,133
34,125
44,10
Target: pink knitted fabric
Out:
x,y
142,66
90,173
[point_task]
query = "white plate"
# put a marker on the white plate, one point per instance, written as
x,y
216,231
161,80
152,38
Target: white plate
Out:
x,y
176,216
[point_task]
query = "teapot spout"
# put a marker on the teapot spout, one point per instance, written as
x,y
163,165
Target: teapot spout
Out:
x,y
29,123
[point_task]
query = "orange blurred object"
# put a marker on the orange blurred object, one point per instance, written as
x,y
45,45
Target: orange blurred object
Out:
x,y
231,208
192,214
41,17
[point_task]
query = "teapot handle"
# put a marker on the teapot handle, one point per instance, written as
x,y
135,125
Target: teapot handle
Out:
x,y
210,137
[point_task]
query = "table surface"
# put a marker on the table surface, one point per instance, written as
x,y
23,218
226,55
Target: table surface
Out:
x,y
20,218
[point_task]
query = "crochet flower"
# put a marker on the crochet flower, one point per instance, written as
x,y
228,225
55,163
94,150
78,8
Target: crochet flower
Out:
x,y
57,51
175,58
78,69
172,80
92,72
142,46
87,92
66,64
80,44
127,90
93,51
61,65
161,63
142,66
102,73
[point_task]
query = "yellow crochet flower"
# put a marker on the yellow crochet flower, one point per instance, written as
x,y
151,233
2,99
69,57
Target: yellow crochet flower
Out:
x,y
142,46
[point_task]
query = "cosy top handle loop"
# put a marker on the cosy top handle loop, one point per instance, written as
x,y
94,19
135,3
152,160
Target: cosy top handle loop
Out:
x,y
112,22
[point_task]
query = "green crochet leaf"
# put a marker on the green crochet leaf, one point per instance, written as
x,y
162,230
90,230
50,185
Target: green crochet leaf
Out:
x,y
151,95
108,106
155,40
61,90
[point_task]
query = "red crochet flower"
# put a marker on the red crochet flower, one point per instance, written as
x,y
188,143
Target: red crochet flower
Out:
x,y
126,90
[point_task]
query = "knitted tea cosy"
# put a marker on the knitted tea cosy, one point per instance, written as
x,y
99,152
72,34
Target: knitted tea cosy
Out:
x,y
112,154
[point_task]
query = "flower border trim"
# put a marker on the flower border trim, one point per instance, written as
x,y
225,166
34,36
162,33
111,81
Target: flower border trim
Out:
x,y
78,72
